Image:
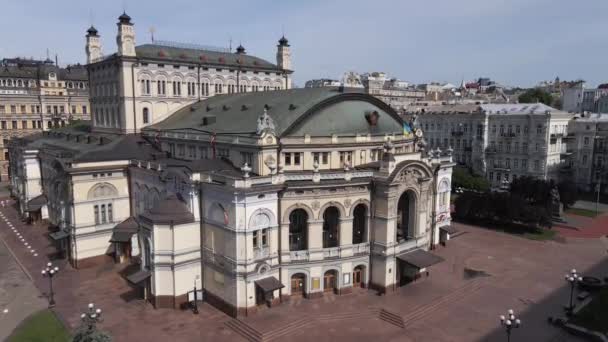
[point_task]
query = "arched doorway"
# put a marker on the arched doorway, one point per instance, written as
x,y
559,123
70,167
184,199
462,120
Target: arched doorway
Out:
x,y
331,222
330,281
298,228
359,223
406,212
298,284
359,276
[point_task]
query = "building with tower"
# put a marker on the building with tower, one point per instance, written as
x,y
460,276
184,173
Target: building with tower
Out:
x,y
256,197
140,85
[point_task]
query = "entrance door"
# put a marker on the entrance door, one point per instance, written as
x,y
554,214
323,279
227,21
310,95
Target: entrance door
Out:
x,y
358,277
297,284
329,281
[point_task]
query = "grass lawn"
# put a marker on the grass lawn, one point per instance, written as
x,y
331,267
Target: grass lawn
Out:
x,y
540,235
581,212
595,315
42,326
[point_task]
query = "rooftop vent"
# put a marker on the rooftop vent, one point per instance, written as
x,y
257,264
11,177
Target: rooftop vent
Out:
x,y
292,106
244,107
208,120
225,107
209,108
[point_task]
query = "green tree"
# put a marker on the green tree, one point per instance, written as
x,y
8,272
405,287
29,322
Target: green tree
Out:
x,y
463,178
568,193
535,95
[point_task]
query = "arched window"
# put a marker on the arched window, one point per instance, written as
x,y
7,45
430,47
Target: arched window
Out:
x,y
219,87
331,223
359,224
146,115
102,190
405,216
177,87
298,228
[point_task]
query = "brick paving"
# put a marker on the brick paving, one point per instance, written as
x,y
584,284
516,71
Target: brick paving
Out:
x,y
586,227
484,273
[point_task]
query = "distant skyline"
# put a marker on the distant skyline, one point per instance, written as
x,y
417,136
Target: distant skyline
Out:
x,y
514,42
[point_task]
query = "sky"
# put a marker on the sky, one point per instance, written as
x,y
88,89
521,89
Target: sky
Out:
x,y
514,42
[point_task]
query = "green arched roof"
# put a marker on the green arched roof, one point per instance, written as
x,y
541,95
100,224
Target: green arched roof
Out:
x,y
295,112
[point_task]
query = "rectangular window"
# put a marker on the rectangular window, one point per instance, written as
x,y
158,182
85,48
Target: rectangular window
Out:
x,y
24,124
13,109
247,158
84,109
104,218
515,163
181,150
325,158
192,151
346,157
110,214
3,124
23,110
524,164
256,239
73,109
287,158
223,152
316,157
491,176
296,158
203,152
14,124
96,213
264,237
536,165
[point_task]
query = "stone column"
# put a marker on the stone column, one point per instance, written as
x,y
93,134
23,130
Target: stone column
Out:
x,y
315,239
346,237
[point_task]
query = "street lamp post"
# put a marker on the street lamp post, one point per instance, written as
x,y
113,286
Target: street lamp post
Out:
x,y
91,317
572,278
50,272
509,322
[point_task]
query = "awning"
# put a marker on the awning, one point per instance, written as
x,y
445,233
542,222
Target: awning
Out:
x,y
36,203
123,231
420,258
56,236
121,236
269,284
449,229
138,277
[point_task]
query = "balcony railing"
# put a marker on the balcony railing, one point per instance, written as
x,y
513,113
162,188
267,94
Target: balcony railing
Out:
x,y
362,248
508,135
457,134
299,255
333,252
491,150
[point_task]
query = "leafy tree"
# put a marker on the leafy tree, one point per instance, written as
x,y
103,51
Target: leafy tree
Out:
x,y
568,193
535,95
463,178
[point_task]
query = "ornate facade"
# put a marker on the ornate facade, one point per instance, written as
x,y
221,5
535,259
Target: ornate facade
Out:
x,y
255,197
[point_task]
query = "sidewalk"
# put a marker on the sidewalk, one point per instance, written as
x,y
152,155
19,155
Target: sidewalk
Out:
x,y
126,318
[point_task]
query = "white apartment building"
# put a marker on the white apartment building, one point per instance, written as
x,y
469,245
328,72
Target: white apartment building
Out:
x,y
500,141
588,148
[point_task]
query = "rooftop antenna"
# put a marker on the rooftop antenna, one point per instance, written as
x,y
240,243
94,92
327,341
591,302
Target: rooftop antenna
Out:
x,y
230,45
47,53
152,30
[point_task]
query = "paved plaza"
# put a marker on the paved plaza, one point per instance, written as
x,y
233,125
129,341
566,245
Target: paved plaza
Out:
x,y
484,274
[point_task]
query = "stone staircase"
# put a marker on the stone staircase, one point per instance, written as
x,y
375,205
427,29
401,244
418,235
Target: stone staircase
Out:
x,y
426,310
251,334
